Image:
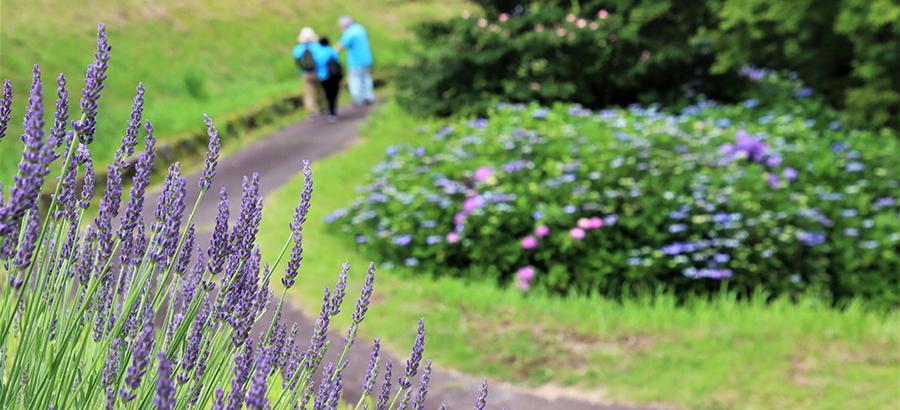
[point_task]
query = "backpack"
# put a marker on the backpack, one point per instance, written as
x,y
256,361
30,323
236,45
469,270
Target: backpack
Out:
x,y
334,68
306,62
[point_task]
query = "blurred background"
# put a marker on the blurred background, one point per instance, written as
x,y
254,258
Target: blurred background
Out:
x,y
654,204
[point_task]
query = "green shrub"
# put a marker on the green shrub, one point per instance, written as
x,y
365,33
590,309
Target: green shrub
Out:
x,y
739,195
636,51
646,51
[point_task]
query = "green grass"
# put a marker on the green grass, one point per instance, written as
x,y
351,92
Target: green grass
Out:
x,y
192,56
721,353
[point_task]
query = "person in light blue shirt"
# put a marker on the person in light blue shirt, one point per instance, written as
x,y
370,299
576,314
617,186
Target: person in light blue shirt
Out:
x,y
355,40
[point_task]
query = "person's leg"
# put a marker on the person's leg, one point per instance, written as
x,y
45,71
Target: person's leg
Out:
x,y
331,93
368,86
312,94
354,84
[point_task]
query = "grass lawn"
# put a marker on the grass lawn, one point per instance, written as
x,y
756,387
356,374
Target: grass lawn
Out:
x,y
709,354
192,56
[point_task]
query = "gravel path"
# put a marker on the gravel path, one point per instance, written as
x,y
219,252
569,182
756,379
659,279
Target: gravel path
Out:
x,y
277,158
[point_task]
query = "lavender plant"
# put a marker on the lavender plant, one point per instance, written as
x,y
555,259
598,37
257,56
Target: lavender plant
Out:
x,y
94,317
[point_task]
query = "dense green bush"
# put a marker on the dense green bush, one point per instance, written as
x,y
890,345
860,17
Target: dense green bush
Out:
x,y
593,56
574,200
623,51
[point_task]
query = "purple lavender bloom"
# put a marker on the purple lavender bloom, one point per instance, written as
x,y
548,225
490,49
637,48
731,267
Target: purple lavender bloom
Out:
x,y
385,394
109,206
300,212
340,290
5,107
415,358
242,363
212,154
93,85
29,241
365,295
372,370
256,397
129,140
246,227
169,211
57,133
219,246
87,186
140,357
192,351
187,250
316,346
142,171
321,401
419,404
481,401
219,402
165,388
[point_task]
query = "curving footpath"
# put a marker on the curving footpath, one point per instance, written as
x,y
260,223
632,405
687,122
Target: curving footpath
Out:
x,y
277,158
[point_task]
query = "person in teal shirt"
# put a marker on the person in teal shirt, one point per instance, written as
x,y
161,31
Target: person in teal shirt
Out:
x,y
355,40
313,96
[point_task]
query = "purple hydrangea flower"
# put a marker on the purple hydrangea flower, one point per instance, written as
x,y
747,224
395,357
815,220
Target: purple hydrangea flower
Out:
x,y
811,238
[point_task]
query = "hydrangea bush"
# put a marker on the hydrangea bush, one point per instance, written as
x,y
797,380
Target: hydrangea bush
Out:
x,y
108,313
772,192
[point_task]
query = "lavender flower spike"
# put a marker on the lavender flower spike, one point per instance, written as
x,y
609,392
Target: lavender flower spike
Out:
x,y
481,401
372,371
301,211
212,154
5,107
57,133
93,84
365,295
412,365
423,387
142,170
165,388
129,140
256,398
340,290
139,359
219,246
242,362
385,394
87,187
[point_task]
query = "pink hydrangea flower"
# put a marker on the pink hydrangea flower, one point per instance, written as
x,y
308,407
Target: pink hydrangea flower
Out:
x,y
482,23
525,273
472,203
482,174
570,17
452,237
503,17
581,23
596,222
594,26
539,28
584,223
577,233
529,242
541,231
459,218
603,14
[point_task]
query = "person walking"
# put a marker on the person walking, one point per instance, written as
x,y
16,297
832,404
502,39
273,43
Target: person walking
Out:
x,y
331,83
355,40
305,57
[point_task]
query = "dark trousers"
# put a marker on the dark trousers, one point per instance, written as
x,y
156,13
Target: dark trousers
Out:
x,y
331,86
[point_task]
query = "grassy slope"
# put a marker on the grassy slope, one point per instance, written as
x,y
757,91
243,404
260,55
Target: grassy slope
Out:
x,y
719,354
237,51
